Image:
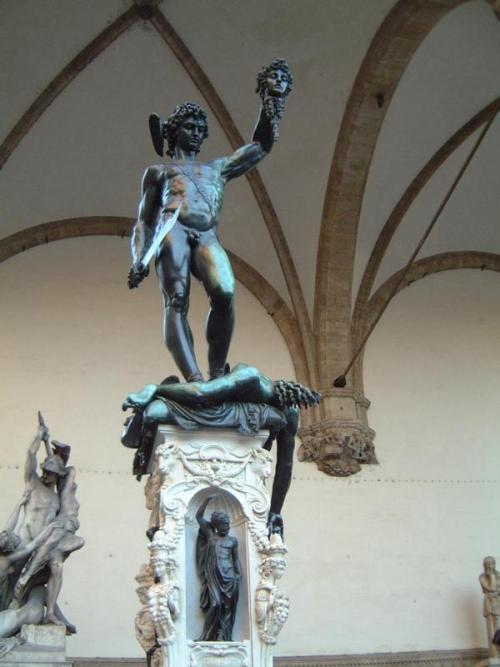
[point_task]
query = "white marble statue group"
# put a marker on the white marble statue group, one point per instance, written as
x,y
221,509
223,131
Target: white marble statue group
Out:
x,y
39,535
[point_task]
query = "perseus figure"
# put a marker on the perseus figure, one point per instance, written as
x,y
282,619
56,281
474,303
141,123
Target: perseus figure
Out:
x,y
184,196
219,569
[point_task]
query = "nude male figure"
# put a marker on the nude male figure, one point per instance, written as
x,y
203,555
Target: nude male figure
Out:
x,y
193,246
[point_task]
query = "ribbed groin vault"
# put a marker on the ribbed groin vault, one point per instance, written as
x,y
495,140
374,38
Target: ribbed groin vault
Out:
x,y
389,98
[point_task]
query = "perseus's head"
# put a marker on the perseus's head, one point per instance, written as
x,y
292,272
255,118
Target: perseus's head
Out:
x,y
275,79
186,128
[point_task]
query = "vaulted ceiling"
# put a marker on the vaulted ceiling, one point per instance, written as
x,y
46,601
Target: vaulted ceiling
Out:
x,y
388,99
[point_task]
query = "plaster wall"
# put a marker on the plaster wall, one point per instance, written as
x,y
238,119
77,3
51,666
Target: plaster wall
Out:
x,y
385,561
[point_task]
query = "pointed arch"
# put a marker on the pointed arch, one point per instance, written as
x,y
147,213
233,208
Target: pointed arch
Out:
x,y
404,203
392,48
64,78
446,261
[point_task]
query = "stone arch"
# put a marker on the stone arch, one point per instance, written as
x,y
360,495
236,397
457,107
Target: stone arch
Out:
x,y
410,194
392,48
447,261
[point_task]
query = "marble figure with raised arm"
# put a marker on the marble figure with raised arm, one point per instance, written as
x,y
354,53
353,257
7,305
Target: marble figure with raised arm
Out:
x,y
38,537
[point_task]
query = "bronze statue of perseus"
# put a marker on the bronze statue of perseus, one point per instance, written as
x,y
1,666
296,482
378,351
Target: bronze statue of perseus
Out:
x,y
179,214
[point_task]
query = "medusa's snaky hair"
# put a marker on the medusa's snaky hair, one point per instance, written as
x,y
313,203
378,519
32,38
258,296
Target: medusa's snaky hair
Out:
x,y
289,394
180,114
277,64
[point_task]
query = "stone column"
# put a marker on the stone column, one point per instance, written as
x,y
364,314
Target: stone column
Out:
x,y
186,468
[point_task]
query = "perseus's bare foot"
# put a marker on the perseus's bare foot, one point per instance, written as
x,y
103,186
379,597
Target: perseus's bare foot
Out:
x,y
51,619
141,398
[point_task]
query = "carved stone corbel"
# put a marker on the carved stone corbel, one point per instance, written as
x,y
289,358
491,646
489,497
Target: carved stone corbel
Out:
x,y
341,443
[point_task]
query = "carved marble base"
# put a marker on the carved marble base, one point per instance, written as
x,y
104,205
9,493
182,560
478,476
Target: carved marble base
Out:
x,y
40,646
186,468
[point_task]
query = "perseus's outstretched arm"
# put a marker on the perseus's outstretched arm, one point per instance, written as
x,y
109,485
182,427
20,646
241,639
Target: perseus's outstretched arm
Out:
x,y
264,133
247,157
242,160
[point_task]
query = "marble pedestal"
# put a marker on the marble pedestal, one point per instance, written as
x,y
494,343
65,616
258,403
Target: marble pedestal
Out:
x,y
42,646
186,468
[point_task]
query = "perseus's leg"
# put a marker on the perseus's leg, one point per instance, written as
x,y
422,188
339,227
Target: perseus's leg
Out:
x,y
173,269
211,265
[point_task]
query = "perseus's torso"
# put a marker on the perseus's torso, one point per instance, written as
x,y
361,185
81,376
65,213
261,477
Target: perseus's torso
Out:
x,y
198,187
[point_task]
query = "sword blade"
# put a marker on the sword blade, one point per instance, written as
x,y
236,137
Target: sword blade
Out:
x,y
161,232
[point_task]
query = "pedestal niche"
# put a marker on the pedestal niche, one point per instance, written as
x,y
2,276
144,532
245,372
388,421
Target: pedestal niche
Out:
x,y
225,472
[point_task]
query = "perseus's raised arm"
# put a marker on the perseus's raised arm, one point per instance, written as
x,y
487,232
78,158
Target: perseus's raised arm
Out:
x,y
242,160
274,82
247,157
